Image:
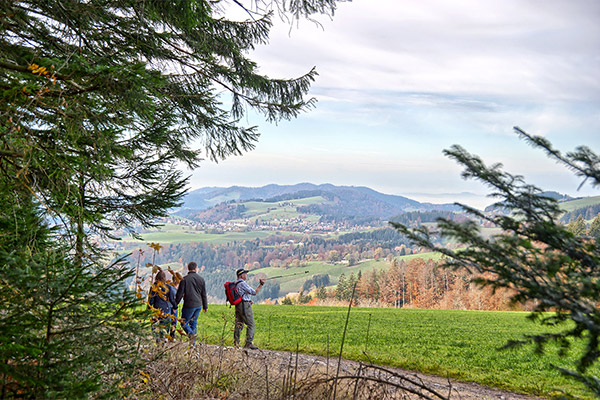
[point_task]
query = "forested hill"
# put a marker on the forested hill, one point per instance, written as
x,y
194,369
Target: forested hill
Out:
x,y
586,207
339,201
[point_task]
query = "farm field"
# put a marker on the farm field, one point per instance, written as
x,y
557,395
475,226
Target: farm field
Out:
x,y
181,234
294,283
579,203
460,344
269,211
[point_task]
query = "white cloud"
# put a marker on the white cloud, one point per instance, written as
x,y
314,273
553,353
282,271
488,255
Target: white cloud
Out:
x,y
517,48
401,80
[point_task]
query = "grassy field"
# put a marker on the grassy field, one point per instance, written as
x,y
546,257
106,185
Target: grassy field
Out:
x,y
579,203
274,213
282,210
294,283
459,344
182,234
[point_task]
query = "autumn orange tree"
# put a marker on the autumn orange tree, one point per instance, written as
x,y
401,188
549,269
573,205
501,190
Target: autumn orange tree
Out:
x,y
101,101
536,258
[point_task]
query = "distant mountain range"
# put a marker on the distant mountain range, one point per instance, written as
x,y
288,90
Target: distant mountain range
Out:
x,y
210,204
344,201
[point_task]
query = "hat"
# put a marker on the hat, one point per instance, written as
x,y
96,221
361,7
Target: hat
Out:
x,y
241,271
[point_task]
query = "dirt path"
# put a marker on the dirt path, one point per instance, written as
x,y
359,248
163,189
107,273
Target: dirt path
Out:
x,y
404,383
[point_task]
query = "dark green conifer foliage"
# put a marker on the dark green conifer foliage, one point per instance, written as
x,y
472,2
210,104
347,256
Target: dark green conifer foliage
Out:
x,y
541,260
65,329
577,227
100,102
341,288
142,80
594,230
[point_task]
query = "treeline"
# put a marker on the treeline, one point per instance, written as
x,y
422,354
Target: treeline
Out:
x,y
387,238
416,218
299,195
282,251
417,283
350,208
348,203
317,280
218,262
580,228
349,220
586,213
221,212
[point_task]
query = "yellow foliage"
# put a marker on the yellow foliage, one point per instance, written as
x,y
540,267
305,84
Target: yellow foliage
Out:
x,y
145,375
176,276
39,70
155,246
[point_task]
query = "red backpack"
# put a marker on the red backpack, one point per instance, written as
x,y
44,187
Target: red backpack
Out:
x,y
233,297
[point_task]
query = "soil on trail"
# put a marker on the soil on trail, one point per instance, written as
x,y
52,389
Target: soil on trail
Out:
x,y
407,384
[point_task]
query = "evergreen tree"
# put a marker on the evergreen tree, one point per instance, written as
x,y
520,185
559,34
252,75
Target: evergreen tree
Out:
x,y
594,230
307,285
341,288
322,293
101,101
65,329
538,258
577,227
352,279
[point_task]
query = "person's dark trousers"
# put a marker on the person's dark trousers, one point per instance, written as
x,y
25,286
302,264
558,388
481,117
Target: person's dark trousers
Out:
x,y
190,317
174,323
160,327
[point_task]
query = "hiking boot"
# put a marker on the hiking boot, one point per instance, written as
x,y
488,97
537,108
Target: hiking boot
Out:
x,y
250,346
192,338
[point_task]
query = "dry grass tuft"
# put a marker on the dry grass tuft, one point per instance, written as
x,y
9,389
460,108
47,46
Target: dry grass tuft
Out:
x,y
179,371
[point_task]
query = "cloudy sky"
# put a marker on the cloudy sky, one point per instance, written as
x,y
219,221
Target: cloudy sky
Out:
x,y
399,81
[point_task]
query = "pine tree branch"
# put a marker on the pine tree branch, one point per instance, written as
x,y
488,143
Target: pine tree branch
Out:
x,y
20,68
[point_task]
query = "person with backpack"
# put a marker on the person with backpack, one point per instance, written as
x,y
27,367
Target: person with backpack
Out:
x,y
243,309
192,290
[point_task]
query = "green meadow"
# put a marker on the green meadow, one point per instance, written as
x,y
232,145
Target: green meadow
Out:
x,y
295,282
287,209
579,203
170,233
461,344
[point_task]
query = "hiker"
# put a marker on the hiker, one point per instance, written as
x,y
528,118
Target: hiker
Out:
x,y
243,310
162,298
192,290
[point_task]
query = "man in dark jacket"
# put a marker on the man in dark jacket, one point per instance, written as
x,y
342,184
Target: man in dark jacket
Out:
x,y
193,291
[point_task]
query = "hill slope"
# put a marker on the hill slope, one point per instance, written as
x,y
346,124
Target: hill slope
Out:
x,y
339,201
